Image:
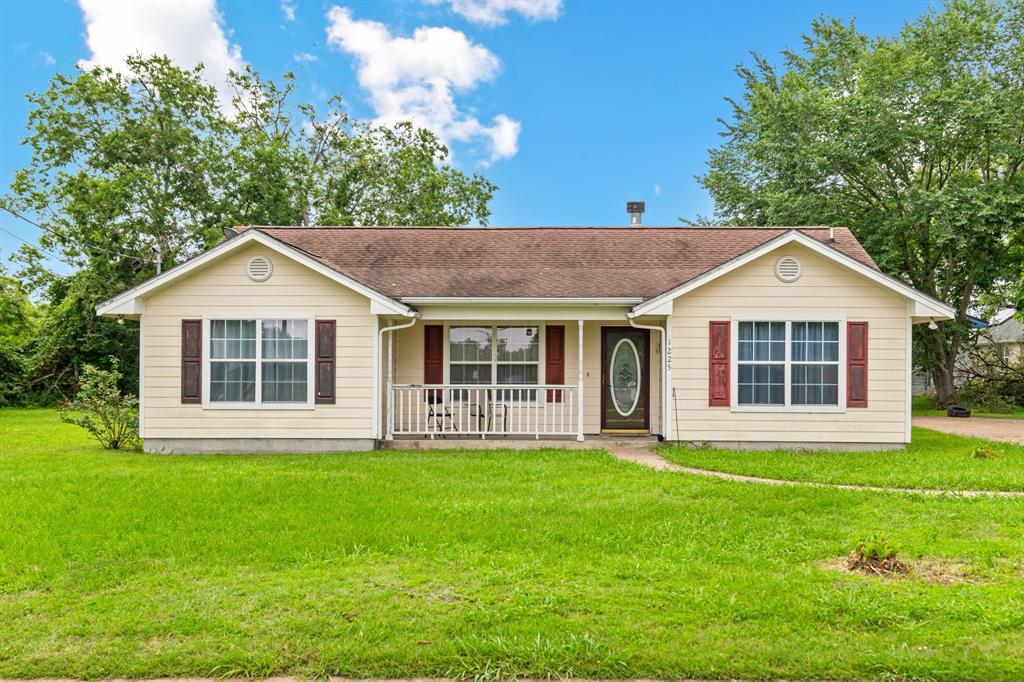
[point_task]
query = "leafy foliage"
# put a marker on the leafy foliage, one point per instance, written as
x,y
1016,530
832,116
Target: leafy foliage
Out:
x,y
915,142
99,407
18,324
296,167
127,168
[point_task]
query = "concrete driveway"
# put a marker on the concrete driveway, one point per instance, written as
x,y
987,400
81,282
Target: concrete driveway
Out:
x,y
1007,430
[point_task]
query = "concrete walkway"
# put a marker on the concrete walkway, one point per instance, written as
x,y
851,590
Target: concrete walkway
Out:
x,y
1006,430
648,456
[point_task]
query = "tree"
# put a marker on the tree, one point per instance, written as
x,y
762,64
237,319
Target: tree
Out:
x,y
914,142
127,167
296,167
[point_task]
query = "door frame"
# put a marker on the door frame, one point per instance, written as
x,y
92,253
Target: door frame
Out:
x,y
645,375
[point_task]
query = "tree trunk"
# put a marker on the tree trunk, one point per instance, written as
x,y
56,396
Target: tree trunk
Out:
x,y
945,391
943,363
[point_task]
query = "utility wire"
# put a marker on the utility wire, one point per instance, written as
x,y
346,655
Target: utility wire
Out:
x,y
28,243
66,238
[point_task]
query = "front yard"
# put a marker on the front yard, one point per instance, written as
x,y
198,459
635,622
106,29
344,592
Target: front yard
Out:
x,y
480,564
933,460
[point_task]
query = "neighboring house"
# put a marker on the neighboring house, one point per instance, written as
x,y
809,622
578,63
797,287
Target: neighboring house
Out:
x,y
289,339
1006,338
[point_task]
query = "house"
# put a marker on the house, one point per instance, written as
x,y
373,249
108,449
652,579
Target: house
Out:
x,y
1006,337
289,339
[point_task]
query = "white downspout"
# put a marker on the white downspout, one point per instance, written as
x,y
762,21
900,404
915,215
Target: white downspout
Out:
x,y
664,371
391,354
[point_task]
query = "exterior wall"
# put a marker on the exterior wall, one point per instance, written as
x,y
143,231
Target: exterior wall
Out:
x,y
825,289
224,288
408,363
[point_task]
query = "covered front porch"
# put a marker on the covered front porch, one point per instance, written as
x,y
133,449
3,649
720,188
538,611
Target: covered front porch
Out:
x,y
455,375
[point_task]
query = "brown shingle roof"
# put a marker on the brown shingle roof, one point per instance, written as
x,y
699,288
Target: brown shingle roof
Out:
x,y
535,262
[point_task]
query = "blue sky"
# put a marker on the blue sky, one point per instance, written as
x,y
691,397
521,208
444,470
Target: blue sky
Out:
x,y
570,107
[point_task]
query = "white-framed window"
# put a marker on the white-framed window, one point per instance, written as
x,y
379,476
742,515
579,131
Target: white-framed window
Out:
x,y
494,354
788,364
258,362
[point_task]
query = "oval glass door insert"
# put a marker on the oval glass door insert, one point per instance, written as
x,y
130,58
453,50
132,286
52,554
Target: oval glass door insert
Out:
x,y
625,377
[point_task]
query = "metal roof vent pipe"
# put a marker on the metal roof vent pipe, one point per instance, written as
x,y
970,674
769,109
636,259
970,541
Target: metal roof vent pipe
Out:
x,y
635,209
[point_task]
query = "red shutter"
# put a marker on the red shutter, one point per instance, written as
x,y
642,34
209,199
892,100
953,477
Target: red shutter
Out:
x,y
191,362
325,365
856,364
554,360
718,365
433,354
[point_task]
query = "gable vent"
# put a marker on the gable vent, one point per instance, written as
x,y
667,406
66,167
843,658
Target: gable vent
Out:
x,y
787,269
259,269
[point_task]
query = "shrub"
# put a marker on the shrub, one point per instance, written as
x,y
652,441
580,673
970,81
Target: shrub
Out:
x,y
877,555
100,408
998,394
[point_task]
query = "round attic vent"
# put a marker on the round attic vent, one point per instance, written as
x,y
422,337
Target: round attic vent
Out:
x,y
259,269
787,269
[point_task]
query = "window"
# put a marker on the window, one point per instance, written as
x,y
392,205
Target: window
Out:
x,y
262,362
788,364
815,363
762,363
494,355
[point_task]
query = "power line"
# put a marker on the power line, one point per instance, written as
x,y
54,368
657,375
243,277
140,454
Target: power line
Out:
x,y
66,238
28,243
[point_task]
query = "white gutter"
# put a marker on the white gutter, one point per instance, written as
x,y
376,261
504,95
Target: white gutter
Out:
x,y
391,355
664,371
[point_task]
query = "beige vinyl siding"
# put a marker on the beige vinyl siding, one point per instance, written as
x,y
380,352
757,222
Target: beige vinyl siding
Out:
x,y
824,289
408,368
223,288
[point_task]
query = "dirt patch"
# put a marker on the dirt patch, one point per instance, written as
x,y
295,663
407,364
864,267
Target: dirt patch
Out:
x,y
938,571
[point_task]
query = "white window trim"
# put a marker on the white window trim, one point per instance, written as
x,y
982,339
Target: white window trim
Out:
x,y
259,405
788,407
541,356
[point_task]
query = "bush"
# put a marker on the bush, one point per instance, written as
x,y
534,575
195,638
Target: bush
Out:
x,y
876,555
101,409
997,396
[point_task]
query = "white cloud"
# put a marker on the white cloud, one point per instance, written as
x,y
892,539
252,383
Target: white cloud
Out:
x,y
657,190
304,57
187,32
495,12
288,10
416,78
47,58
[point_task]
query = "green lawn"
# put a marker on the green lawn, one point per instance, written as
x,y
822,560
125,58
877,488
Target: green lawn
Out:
x,y
924,406
478,564
932,460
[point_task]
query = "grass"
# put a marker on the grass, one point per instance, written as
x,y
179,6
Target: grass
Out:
x,y
932,460
478,564
924,406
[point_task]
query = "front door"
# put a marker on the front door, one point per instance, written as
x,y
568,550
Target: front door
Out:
x,y
625,379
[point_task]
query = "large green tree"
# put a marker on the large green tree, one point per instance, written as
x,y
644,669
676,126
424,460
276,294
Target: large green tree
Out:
x,y
297,166
143,164
916,142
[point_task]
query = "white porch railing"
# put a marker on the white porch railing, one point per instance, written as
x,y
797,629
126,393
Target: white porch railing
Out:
x,y
489,410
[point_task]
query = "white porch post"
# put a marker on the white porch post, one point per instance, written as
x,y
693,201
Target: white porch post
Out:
x,y
391,393
667,411
579,380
